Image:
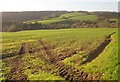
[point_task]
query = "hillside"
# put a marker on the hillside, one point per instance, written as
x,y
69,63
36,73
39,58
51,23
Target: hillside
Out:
x,y
74,16
29,15
18,21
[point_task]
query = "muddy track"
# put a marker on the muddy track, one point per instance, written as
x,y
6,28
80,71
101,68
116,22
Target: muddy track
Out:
x,y
25,48
17,69
49,51
93,54
50,57
52,54
71,74
48,48
65,71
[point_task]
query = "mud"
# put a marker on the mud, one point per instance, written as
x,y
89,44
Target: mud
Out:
x,y
72,74
50,56
93,54
17,69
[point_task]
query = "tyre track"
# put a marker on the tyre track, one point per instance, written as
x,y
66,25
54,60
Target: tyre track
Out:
x,y
66,71
93,54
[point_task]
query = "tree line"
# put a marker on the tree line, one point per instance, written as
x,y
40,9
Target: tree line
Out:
x,y
19,26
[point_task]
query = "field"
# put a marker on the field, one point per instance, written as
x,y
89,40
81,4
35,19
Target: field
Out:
x,y
68,17
64,54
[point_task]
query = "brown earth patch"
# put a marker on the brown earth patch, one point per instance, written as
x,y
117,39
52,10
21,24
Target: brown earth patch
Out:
x,y
17,69
72,74
93,54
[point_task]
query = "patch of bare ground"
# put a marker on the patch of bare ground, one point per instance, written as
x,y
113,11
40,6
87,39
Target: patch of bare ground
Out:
x,y
66,71
53,55
72,74
17,69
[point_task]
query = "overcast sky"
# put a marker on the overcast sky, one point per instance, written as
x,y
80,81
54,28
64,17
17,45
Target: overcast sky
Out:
x,y
69,5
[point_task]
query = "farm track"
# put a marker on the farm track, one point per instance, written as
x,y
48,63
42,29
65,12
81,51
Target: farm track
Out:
x,y
66,71
17,69
93,54
51,53
71,74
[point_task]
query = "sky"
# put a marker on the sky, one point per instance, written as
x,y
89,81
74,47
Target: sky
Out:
x,y
69,5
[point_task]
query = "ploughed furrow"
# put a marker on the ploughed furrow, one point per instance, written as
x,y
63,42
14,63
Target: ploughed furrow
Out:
x,y
93,54
70,73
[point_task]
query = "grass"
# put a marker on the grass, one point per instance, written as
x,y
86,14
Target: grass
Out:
x,y
63,39
68,15
49,21
70,60
106,62
76,16
91,18
33,62
43,76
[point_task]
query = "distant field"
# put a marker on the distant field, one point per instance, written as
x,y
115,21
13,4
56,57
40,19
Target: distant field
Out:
x,y
36,53
91,18
54,20
69,16
113,19
106,62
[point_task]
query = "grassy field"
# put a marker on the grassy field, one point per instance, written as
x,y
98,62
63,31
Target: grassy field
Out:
x,y
106,62
53,20
33,53
69,16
